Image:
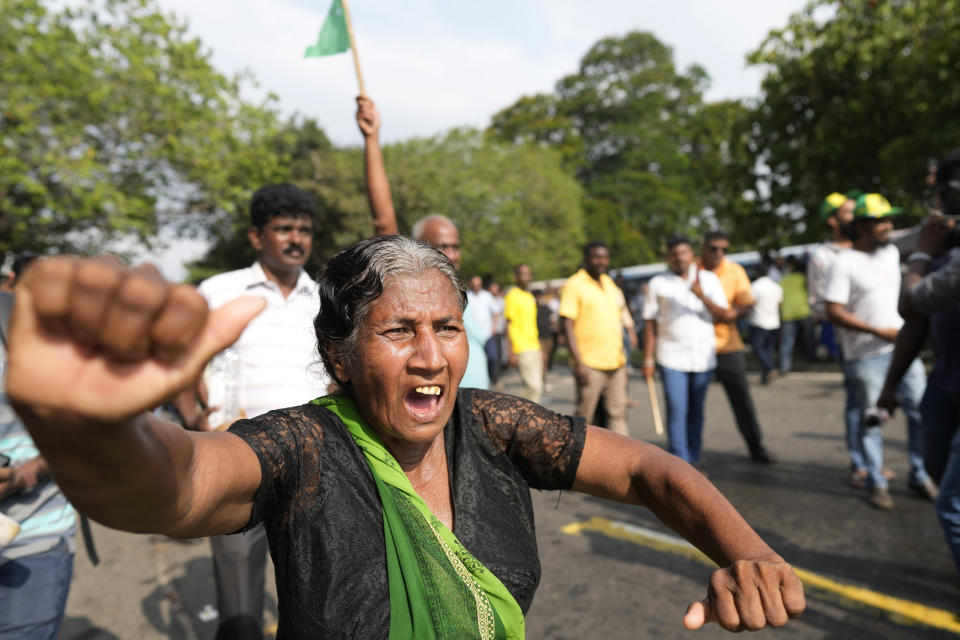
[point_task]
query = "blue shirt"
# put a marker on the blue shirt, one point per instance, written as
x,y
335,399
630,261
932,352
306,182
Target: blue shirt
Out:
x,y
476,375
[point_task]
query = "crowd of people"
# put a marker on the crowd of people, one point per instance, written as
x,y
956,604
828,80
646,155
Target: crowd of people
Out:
x,y
849,290
344,472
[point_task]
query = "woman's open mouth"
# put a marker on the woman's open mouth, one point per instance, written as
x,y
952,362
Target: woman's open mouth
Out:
x,y
424,400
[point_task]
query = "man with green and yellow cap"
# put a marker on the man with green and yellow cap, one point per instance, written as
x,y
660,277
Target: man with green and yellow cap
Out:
x,y
836,211
861,295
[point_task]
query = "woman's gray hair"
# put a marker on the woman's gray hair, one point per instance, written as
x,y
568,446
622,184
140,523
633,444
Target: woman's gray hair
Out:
x,y
355,278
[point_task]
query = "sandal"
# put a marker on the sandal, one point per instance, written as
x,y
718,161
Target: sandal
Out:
x,y
858,479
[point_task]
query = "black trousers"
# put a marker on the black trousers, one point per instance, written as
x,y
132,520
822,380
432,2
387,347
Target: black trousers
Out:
x,y
731,371
239,567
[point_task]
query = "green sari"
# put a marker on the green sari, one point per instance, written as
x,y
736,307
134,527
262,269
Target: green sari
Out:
x,y
438,590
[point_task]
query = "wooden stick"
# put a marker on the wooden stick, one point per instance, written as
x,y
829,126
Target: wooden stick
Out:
x,y
655,406
353,46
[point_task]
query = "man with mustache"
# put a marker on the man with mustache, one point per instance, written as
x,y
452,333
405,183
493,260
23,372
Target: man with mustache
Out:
x,y
277,368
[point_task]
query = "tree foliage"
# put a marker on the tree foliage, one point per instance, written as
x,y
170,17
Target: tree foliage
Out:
x,y
857,94
640,139
511,203
113,123
311,162
723,165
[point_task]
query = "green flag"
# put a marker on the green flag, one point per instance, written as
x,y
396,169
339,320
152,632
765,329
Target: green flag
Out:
x,y
333,37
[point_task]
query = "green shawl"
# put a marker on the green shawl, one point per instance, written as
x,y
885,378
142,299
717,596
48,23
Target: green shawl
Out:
x,y
438,590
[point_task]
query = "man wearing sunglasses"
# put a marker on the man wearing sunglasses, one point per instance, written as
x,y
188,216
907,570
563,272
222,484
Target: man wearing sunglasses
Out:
x,y
861,296
731,368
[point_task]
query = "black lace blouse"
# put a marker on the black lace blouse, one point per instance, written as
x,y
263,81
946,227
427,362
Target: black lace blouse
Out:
x,y
321,509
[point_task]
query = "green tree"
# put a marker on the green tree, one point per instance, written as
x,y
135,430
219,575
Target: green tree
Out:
x,y
630,125
512,203
539,119
114,123
857,94
333,176
723,164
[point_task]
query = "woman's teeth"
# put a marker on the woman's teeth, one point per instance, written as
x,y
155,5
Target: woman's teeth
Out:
x,y
429,391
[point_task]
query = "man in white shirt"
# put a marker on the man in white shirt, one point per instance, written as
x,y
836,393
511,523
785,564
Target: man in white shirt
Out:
x,y
486,306
497,345
679,309
278,367
861,296
764,321
836,211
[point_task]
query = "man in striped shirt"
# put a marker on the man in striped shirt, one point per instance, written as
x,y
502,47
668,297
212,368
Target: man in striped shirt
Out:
x,y
37,565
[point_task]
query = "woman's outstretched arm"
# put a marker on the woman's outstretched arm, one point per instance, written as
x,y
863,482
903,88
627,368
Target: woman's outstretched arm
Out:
x,y
754,589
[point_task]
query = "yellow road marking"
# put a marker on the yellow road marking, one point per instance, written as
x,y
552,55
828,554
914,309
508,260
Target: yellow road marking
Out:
x,y
897,609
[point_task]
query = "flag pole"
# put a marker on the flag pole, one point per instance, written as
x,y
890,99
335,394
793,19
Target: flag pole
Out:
x,y
353,47
655,406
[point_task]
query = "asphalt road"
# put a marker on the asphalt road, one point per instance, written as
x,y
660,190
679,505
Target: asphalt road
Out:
x,y
613,571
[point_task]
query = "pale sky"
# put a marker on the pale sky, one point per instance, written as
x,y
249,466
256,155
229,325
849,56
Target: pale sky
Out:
x,y
435,64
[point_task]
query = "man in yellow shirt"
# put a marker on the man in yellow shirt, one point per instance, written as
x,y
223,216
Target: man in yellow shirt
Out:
x,y
591,308
520,311
731,368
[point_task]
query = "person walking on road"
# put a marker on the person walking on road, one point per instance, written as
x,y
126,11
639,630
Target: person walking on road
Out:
x,y
731,368
795,315
764,321
484,312
836,211
861,295
520,312
591,308
679,311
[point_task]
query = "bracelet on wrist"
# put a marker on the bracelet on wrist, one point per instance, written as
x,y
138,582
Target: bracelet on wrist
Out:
x,y
919,255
